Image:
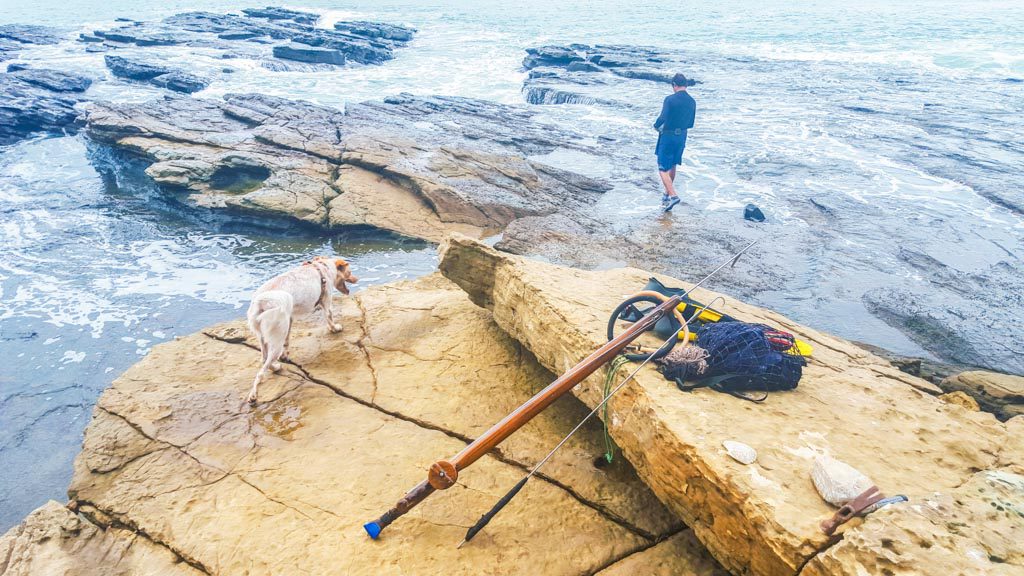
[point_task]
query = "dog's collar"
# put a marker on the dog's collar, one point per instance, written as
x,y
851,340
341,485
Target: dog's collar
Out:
x,y
324,289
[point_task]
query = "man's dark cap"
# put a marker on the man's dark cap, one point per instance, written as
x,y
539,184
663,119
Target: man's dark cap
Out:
x,y
680,80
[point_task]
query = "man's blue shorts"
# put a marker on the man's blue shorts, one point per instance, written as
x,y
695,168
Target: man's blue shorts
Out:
x,y
670,150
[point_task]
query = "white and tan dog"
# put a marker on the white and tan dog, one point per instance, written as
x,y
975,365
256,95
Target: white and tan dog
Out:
x,y
299,291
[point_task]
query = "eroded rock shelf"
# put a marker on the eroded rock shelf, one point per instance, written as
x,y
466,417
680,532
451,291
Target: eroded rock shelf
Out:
x,y
339,435
415,166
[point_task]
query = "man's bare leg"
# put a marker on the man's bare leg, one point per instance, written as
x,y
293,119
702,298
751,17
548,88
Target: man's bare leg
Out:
x,y
666,179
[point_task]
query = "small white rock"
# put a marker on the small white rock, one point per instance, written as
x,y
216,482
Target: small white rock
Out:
x,y
740,452
837,481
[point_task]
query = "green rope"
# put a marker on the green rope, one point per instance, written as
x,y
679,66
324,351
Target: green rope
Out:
x,y
617,363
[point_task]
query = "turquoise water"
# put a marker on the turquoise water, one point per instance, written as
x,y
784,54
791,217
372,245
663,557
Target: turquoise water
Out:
x,y
901,116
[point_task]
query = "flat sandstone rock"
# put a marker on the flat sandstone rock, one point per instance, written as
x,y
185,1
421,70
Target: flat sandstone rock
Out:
x,y
284,487
54,540
764,518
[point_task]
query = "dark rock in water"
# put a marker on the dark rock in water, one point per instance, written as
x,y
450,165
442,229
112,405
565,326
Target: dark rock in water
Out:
x,y
261,33
239,35
753,213
306,53
137,35
648,74
156,75
51,79
376,30
558,74
550,56
14,67
180,82
580,66
421,167
559,86
89,38
29,34
38,100
272,13
15,36
544,95
133,69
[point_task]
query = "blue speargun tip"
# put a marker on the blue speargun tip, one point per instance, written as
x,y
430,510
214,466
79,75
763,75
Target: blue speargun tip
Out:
x,y
373,529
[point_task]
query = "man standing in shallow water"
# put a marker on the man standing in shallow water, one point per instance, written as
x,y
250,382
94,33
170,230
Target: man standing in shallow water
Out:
x,y
677,114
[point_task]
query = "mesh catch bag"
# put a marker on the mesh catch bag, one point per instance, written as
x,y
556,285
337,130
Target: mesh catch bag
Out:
x,y
740,356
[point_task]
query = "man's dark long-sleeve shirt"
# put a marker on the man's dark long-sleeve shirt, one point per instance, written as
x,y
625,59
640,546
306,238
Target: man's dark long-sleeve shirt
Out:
x,y
677,113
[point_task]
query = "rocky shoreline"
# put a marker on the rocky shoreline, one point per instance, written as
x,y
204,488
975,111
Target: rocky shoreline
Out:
x,y
177,476
423,166
415,166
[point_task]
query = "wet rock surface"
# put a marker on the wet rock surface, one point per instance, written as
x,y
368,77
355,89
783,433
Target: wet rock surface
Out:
x,y
35,100
155,74
38,100
577,73
764,518
14,37
937,320
416,166
175,461
943,289
266,33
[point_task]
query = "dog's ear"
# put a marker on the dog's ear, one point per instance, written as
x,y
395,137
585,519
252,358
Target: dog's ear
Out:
x,y
340,264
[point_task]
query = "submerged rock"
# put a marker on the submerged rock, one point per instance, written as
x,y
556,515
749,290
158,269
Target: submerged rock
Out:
x,y
338,437
764,518
416,166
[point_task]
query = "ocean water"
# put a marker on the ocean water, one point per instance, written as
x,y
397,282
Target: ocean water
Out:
x,y
905,116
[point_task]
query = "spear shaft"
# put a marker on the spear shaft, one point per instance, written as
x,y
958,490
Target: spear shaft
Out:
x,y
444,473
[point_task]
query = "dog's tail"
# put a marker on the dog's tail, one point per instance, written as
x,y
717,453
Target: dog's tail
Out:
x,y
270,309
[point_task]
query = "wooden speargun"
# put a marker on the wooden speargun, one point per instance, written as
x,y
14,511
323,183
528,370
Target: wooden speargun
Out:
x,y
444,473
